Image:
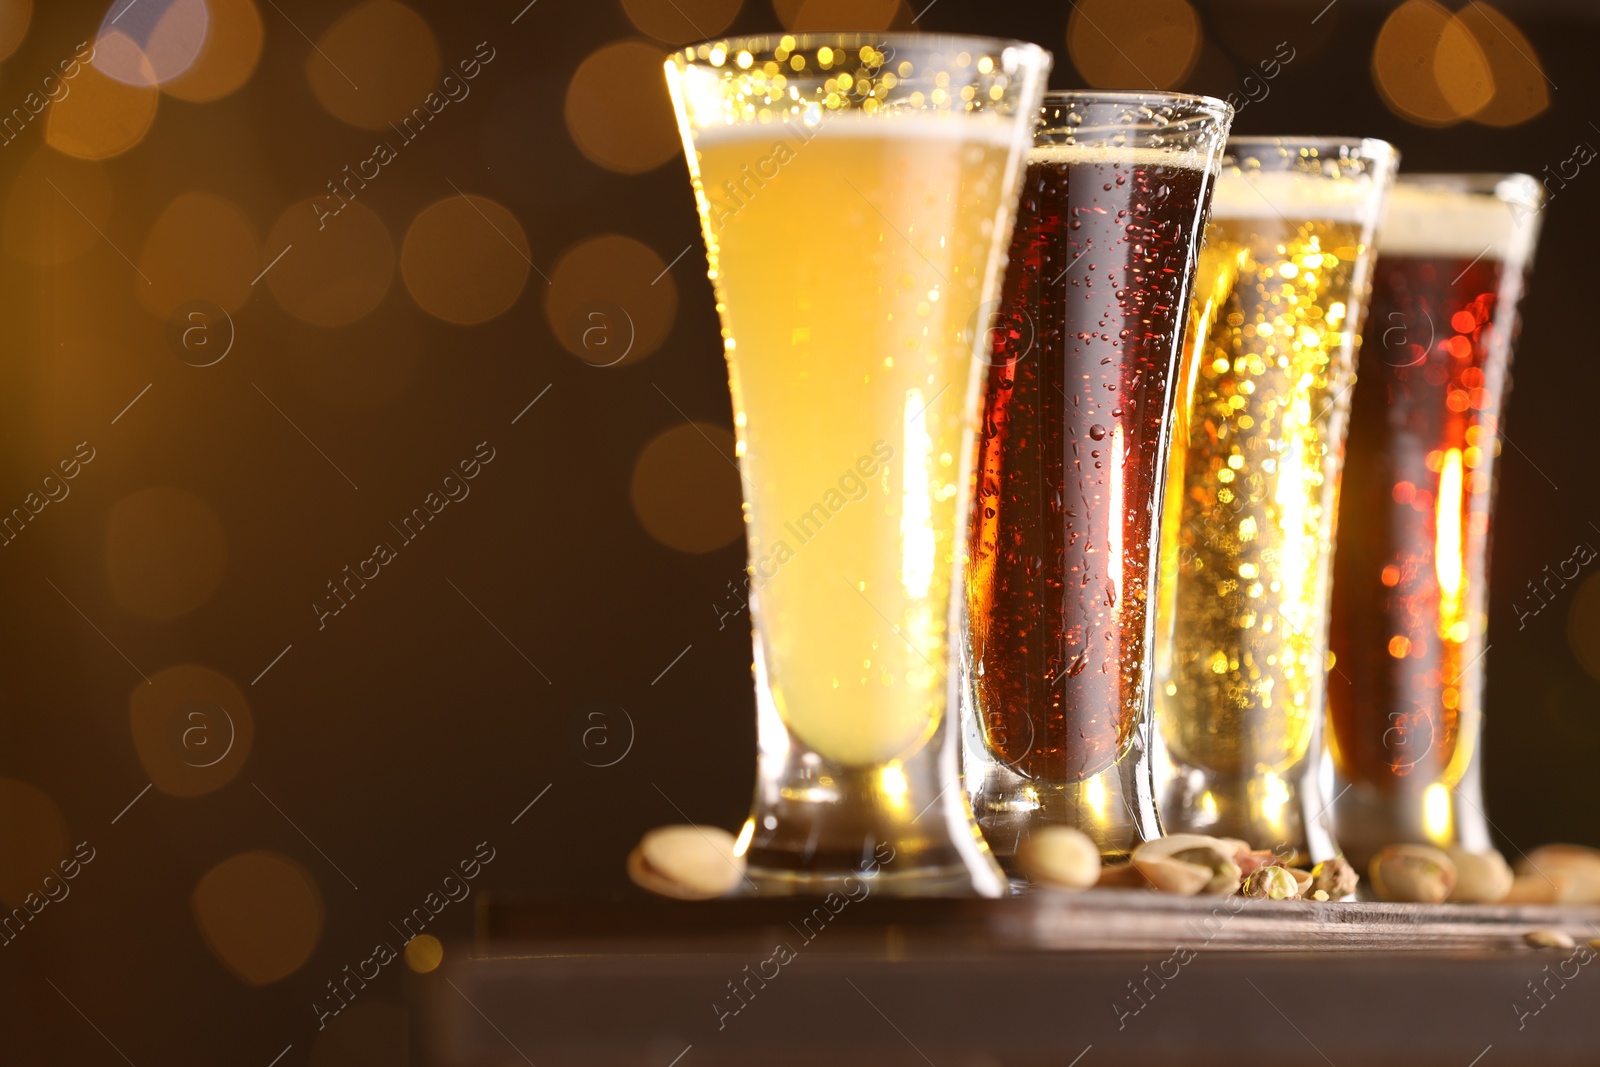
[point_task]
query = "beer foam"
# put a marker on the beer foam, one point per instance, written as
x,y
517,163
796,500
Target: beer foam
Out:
x,y
1126,155
1286,194
984,127
1422,220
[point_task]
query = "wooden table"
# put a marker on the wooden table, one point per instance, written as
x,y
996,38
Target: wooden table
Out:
x,y
1098,977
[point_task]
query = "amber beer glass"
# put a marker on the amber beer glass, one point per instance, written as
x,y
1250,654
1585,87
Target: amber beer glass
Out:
x,y
856,195
1247,540
1410,586
1074,437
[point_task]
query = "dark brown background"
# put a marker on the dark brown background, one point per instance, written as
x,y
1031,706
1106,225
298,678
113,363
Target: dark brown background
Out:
x,y
412,727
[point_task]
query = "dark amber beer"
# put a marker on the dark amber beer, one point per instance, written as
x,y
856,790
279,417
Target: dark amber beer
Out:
x,y
1411,572
1076,419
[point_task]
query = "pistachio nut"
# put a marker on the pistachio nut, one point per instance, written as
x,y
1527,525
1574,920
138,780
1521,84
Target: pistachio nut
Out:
x,y
1335,877
1187,864
1574,870
1060,857
686,862
1271,882
1548,939
1481,877
1412,873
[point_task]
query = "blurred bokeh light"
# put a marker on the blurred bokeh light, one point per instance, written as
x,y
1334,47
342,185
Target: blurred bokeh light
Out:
x,y
228,57
165,552
375,64
201,248
611,300
617,109
1115,44
192,729
686,488
33,840
261,915
465,259
345,269
681,21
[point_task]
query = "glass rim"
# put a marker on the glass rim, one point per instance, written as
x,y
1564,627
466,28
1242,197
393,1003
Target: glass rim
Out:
x,y
1112,96
768,42
1374,148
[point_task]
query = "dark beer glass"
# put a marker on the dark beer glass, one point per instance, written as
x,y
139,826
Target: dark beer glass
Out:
x,y
1411,573
1071,452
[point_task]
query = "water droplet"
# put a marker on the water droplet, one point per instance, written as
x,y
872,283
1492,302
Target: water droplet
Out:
x,y
1097,432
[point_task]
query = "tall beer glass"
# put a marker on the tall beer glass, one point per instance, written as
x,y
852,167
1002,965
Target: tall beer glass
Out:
x,y
856,194
1410,588
1073,444
1253,487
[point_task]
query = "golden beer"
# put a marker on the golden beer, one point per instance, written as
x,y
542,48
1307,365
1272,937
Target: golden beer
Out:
x,y
849,284
1253,485
856,195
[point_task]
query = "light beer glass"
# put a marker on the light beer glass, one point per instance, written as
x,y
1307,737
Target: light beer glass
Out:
x,y
1410,586
1071,451
1253,488
856,195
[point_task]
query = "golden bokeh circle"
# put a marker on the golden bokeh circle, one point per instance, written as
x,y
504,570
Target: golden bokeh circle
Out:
x,y
685,488
101,117
1462,70
1428,67
15,15
611,300
56,209
165,552
1520,88
424,953
229,56
261,915
811,16
375,65
192,729
681,21
617,109
465,259
1120,45
200,247
366,1034
33,840
340,266
1583,625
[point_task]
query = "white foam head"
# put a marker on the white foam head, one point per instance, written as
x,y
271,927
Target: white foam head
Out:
x,y
982,127
1120,155
1434,220
1286,194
